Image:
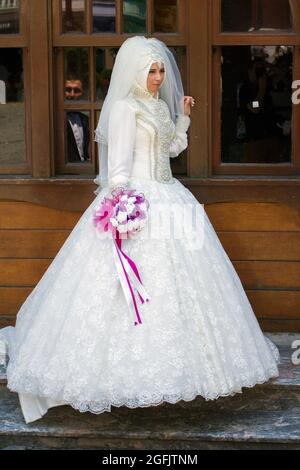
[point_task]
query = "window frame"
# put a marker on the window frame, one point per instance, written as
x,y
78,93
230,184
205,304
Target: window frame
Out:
x,y
115,39
219,39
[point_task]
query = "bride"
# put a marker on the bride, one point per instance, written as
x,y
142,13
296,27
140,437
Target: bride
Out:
x,y
75,341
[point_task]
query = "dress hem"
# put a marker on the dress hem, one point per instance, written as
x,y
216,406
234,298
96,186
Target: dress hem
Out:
x,y
39,405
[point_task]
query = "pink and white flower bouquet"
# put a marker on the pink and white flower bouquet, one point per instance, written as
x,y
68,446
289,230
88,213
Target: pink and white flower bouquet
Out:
x,y
123,213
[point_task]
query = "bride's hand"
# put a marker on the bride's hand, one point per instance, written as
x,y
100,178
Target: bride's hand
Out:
x,y
188,102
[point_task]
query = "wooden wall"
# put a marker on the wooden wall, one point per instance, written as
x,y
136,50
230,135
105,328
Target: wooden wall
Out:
x,y
261,239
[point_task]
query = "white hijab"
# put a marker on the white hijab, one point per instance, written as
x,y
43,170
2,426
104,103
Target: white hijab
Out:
x,y
132,65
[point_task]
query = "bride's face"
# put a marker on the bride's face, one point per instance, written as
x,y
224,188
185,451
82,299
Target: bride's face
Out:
x,y
156,76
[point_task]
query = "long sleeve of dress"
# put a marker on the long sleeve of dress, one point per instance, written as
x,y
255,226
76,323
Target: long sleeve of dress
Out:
x,y
180,141
121,139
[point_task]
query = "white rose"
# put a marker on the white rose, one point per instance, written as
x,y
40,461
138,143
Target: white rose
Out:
x,y
130,208
130,225
113,222
136,224
122,228
122,216
131,199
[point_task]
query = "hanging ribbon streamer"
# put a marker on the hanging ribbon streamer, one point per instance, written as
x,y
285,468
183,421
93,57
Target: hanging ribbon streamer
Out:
x,y
130,279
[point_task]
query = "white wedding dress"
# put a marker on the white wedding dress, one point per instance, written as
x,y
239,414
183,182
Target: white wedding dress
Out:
x,y
75,341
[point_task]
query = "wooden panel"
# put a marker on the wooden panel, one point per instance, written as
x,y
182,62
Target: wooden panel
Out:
x,y
269,274
235,216
238,245
281,305
31,243
56,193
253,274
7,320
261,246
268,305
22,272
266,325
73,194
279,325
230,216
11,299
19,215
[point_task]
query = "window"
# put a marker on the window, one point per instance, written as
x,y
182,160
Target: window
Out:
x,y
255,61
86,38
9,17
256,15
15,155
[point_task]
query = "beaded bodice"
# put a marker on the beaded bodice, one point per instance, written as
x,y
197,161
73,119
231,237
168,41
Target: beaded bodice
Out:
x,y
154,112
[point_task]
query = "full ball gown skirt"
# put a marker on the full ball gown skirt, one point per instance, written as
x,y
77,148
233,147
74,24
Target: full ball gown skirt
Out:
x,y
75,341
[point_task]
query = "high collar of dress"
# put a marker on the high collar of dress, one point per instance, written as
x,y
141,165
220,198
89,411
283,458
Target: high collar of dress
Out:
x,y
142,93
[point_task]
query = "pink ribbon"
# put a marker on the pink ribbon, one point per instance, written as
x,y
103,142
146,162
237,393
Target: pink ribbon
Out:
x,y
130,279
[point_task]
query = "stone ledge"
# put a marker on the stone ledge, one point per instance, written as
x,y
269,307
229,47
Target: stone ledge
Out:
x,y
155,427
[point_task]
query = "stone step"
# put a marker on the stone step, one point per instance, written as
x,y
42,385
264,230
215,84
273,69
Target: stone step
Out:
x,y
155,428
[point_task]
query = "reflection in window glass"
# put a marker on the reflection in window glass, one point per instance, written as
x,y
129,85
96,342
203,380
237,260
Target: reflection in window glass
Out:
x,y
78,140
9,16
165,16
76,74
179,165
179,54
134,15
256,104
12,127
104,16
256,15
73,16
104,64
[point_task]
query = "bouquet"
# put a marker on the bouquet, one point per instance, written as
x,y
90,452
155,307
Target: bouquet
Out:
x,y
123,214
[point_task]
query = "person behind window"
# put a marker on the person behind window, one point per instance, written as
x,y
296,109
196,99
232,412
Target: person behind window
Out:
x,y
77,124
263,135
254,101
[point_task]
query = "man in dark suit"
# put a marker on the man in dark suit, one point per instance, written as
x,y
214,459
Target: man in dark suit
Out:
x,y
77,124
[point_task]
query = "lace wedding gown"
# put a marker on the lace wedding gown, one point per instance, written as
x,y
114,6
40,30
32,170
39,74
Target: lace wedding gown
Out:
x,y
75,341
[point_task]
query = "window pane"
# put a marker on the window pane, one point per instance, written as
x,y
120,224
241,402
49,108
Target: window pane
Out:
x,y
12,126
9,16
165,16
104,63
78,136
76,74
73,16
256,108
104,16
179,165
256,15
134,13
